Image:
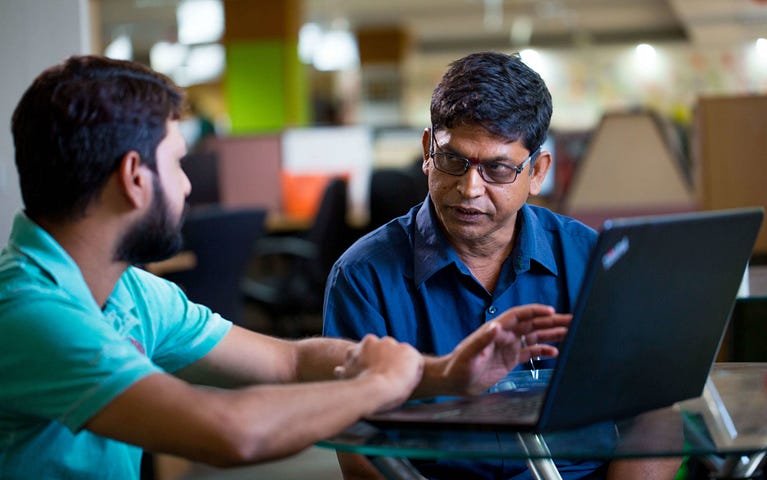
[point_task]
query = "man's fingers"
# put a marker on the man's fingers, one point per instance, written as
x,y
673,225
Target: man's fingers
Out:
x,y
477,342
540,324
540,350
522,313
527,318
555,320
547,335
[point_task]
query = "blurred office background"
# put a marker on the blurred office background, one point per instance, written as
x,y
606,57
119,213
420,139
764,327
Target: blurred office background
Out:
x,y
301,109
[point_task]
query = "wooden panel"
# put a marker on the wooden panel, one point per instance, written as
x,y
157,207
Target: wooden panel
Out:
x,y
730,142
261,20
383,45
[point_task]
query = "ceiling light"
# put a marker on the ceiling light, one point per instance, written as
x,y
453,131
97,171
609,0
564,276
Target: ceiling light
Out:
x,y
328,50
761,47
204,63
188,65
120,48
337,51
200,21
166,57
309,38
645,52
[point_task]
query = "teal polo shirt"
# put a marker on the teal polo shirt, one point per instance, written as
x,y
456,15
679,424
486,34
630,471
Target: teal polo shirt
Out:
x,y
64,358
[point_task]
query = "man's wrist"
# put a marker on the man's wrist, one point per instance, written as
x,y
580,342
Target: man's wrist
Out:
x,y
378,389
436,379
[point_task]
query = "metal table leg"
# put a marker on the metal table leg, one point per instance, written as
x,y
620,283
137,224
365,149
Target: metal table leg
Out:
x,y
737,467
541,468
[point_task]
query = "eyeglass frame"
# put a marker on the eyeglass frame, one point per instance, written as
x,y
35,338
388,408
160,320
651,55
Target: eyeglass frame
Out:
x,y
468,162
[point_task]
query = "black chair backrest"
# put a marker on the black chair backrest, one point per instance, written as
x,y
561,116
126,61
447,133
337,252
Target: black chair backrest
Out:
x,y
330,230
202,170
223,241
393,191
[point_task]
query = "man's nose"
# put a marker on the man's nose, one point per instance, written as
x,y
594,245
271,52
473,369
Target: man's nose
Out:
x,y
472,184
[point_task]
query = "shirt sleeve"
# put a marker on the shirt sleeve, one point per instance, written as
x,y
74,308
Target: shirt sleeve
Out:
x,y
178,331
349,311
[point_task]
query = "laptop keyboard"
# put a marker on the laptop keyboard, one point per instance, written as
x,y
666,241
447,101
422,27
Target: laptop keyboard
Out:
x,y
492,407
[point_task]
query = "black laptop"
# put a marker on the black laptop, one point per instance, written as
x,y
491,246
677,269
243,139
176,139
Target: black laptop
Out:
x,y
652,311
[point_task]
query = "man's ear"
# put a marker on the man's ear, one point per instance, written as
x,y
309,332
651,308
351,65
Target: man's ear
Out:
x,y
135,178
425,144
539,170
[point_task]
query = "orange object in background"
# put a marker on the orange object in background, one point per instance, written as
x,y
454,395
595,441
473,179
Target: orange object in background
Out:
x,y
302,193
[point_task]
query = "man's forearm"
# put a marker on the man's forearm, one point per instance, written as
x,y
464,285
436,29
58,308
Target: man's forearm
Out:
x,y
242,426
317,357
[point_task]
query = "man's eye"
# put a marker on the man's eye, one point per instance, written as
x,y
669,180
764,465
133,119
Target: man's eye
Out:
x,y
454,158
497,167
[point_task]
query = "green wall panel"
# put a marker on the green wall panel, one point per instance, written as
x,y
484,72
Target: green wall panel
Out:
x,y
265,86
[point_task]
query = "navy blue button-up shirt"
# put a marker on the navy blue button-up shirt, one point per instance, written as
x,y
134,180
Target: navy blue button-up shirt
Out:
x,y
406,281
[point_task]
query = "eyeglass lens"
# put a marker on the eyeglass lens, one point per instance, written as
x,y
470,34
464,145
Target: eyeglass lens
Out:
x,y
492,172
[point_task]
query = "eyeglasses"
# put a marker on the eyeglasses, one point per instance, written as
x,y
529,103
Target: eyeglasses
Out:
x,y
491,172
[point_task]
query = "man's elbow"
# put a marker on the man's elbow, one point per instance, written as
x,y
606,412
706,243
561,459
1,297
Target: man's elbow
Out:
x,y
234,443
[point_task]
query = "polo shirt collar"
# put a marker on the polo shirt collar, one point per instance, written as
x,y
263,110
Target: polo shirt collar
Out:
x,y
37,244
432,252
121,299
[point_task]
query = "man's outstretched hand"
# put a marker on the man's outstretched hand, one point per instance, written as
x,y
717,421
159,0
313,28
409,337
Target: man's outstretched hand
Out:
x,y
487,355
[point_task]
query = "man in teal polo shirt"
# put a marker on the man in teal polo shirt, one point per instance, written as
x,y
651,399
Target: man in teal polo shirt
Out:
x,y
101,359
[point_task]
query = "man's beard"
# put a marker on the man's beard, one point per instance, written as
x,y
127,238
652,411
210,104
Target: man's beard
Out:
x,y
153,238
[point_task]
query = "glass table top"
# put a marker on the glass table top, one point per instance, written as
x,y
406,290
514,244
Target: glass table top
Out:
x,y
730,418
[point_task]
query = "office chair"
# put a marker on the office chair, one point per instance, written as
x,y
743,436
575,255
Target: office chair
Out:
x,y
393,191
288,273
222,241
202,170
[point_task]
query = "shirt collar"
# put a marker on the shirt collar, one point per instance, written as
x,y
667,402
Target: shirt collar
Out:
x,y
121,299
38,245
432,252
533,243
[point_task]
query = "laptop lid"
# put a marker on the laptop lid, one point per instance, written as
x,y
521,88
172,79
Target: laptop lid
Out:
x,y
651,314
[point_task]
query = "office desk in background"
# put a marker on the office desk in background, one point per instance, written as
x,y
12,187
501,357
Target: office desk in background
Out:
x,y
727,426
179,262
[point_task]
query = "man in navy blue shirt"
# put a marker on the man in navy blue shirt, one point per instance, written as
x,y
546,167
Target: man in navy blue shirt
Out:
x,y
474,248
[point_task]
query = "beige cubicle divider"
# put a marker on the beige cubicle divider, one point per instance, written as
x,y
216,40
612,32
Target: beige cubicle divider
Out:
x,y
730,146
249,171
632,166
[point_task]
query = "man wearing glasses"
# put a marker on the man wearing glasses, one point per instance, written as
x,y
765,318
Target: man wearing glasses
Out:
x,y
474,248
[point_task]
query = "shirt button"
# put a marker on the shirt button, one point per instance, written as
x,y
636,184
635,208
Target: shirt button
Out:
x,y
491,309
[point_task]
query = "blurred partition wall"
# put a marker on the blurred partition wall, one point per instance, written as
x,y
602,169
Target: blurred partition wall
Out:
x,y
249,171
311,156
632,166
286,173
